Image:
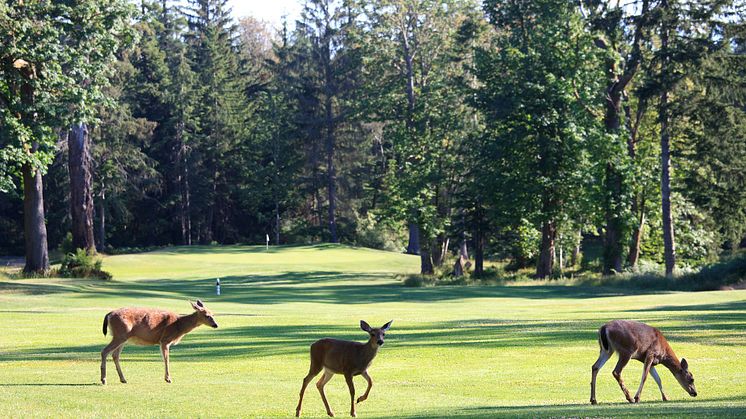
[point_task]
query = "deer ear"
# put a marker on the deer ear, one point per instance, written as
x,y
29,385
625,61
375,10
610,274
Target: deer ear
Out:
x,y
197,307
387,326
684,364
365,326
199,303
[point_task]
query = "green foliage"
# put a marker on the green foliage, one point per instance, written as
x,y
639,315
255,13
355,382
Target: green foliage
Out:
x,y
49,77
82,264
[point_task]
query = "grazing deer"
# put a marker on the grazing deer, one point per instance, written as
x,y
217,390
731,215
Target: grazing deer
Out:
x,y
147,326
635,340
343,357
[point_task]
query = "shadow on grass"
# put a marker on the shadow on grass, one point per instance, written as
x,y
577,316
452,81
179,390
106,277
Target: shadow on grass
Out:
x,y
704,408
328,287
488,333
244,249
50,385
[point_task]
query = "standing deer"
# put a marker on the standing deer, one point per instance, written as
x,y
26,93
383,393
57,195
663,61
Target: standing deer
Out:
x,y
635,340
343,357
148,326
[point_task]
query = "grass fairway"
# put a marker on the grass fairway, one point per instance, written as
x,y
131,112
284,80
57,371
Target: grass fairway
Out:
x,y
497,351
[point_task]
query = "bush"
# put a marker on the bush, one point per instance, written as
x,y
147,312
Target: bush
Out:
x,y
82,264
418,281
66,246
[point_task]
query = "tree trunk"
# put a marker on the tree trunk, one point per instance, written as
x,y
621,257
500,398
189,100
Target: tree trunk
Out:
x,y
81,192
426,262
35,231
463,250
634,247
184,207
413,247
277,223
548,234
441,248
458,267
576,249
613,239
331,172
102,220
669,245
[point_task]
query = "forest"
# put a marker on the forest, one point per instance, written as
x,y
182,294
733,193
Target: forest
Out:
x,y
530,132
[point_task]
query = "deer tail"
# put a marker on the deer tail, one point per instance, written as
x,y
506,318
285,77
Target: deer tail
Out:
x,y
603,338
106,322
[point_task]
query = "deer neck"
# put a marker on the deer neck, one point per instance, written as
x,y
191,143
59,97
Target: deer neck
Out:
x,y
671,362
185,324
370,349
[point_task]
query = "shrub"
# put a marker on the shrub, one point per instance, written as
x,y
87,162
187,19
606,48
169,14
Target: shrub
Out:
x,y
417,281
66,245
82,264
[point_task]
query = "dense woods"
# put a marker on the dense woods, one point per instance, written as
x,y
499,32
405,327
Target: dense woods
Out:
x,y
513,130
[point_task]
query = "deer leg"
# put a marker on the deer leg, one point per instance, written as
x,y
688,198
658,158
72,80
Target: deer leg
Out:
x,y
645,371
115,343
617,373
312,372
115,355
367,390
320,385
602,358
351,386
165,352
657,379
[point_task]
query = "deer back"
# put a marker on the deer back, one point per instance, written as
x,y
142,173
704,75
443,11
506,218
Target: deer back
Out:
x,y
637,339
144,326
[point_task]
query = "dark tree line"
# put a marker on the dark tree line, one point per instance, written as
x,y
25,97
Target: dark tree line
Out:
x,y
522,129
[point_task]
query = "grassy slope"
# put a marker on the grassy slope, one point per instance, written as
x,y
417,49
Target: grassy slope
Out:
x,y
458,351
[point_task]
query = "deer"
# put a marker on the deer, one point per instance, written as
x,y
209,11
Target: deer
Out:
x,y
344,357
635,340
149,326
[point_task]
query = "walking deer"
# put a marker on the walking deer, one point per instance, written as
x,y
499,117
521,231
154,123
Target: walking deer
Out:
x,y
343,357
635,340
147,326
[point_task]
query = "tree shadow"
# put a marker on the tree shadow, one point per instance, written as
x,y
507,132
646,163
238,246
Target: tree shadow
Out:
x,y
272,340
704,408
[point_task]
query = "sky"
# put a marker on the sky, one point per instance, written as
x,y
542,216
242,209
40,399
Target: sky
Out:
x,y
269,10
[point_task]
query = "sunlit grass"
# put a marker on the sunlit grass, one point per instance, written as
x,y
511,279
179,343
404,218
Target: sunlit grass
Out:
x,y
452,351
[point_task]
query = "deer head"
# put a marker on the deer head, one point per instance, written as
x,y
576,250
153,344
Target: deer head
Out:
x,y
376,334
204,316
685,378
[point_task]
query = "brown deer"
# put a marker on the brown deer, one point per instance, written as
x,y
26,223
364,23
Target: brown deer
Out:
x,y
148,326
635,340
343,357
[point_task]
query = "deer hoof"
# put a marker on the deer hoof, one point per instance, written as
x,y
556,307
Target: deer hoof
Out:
x,y
593,401
330,413
168,380
103,381
637,399
353,414
360,399
297,413
123,381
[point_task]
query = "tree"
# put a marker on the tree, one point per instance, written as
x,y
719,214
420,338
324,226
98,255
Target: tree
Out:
x,y
38,94
220,112
330,30
687,33
414,88
539,99
622,30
